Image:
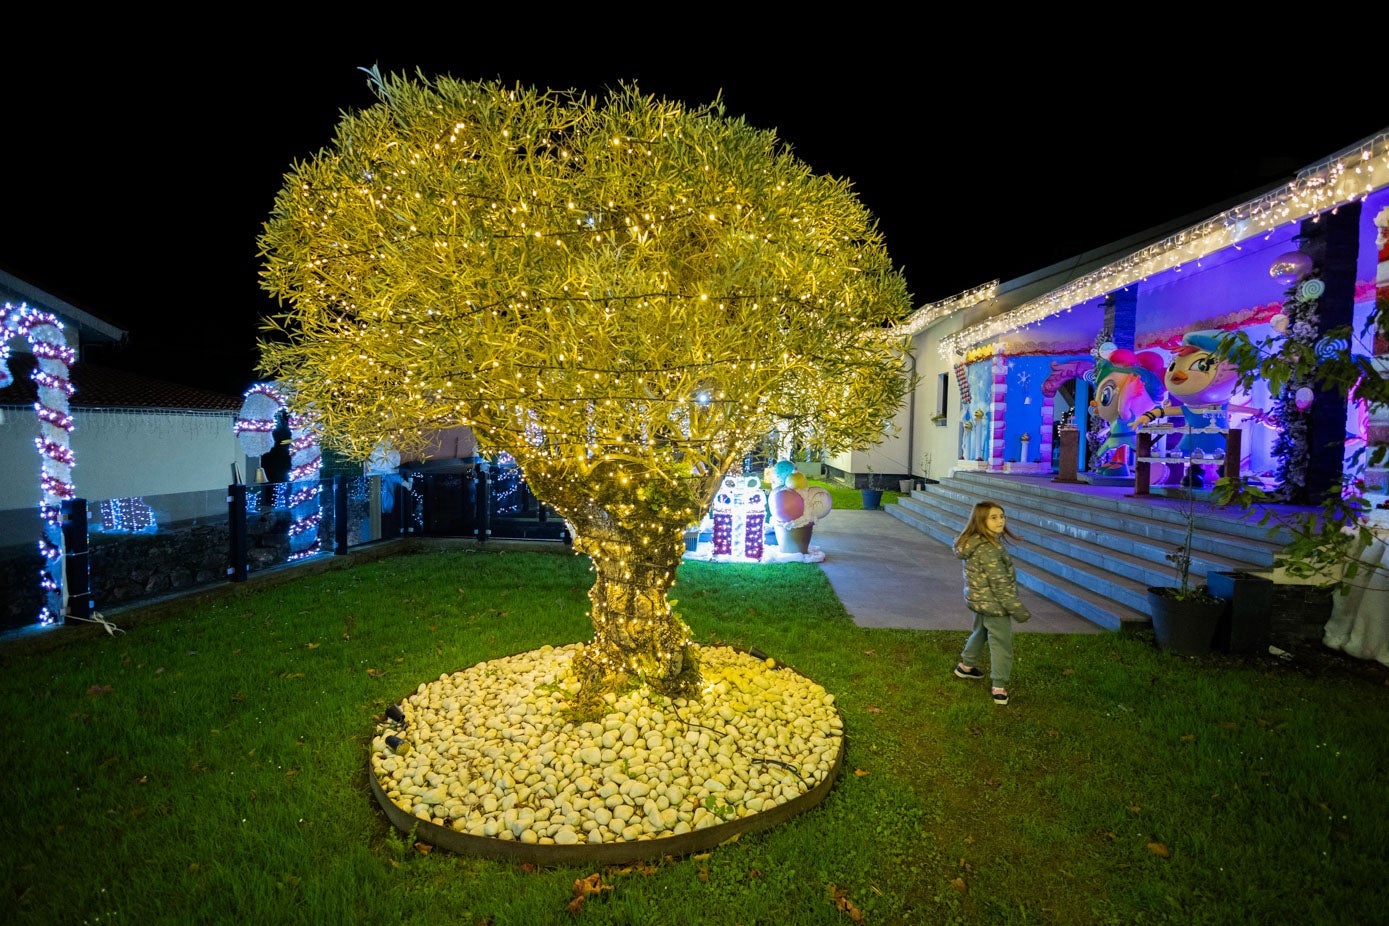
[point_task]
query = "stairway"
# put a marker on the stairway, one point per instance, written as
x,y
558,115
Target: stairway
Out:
x,y
1091,549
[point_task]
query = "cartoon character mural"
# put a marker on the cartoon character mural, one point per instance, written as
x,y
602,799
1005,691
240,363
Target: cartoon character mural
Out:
x,y
1126,386
1200,387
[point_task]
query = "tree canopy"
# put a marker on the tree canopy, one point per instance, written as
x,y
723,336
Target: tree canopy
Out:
x,y
624,293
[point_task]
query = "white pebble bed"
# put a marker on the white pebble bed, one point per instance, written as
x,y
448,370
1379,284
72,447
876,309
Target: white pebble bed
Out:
x,y
490,753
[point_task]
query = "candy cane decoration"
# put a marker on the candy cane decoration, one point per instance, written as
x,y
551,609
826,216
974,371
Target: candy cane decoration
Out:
x,y
255,426
45,335
1048,417
1000,399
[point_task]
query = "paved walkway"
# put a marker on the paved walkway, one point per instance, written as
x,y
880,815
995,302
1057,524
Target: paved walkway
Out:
x,y
889,574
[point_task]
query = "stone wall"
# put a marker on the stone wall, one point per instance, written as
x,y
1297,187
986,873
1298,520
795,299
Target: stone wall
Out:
x,y
129,568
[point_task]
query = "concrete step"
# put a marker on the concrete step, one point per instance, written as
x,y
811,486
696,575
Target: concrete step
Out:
x,y
1122,545
1093,553
1113,605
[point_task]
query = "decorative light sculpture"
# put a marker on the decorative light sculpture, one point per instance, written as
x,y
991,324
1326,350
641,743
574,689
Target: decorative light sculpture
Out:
x,y
255,426
739,515
45,335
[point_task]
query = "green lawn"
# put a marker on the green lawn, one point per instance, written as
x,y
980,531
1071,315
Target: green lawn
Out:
x,y
208,765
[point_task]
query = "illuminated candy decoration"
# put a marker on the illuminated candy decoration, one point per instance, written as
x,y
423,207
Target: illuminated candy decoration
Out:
x,y
53,357
1327,348
1288,268
739,518
1311,289
1279,323
787,504
255,426
1303,399
818,501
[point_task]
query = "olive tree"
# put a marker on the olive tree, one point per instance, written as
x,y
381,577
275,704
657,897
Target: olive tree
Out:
x,y
624,293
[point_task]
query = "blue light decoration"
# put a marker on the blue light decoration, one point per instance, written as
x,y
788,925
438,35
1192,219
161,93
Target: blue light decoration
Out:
x,y
255,426
54,358
506,485
126,516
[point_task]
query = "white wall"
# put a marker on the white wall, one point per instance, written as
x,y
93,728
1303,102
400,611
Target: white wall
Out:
x,y
894,454
123,453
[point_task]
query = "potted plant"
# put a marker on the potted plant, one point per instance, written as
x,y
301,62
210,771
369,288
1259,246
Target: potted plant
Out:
x,y
1184,616
871,495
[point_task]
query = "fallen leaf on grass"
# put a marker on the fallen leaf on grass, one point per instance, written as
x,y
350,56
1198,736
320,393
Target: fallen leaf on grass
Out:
x,y
375,673
98,690
975,731
1134,808
959,885
874,710
869,652
1228,724
585,886
1068,671
1189,737
842,903
313,645
1158,848
527,867
423,848
159,670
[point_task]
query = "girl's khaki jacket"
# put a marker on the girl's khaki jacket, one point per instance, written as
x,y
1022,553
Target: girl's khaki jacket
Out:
x,y
991,588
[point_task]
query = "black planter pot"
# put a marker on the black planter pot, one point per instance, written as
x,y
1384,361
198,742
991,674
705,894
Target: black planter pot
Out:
x,y
1246,625
1184,626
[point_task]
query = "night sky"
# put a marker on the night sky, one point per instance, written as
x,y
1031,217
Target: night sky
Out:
x,y
138,172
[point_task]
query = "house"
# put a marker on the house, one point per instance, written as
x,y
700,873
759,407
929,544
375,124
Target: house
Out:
x,y
1002,366
141,451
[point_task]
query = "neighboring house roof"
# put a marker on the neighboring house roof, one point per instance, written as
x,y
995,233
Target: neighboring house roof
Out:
x,y
107,388
89,327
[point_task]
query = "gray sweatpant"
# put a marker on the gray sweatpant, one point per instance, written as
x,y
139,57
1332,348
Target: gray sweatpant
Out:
x,y
998,633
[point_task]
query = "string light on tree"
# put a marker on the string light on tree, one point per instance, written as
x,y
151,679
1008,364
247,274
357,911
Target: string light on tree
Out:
x,y
624,294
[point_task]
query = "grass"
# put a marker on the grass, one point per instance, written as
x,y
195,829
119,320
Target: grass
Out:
x,y
209,766
845,498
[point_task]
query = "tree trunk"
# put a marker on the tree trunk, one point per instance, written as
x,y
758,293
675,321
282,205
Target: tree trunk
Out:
x,y
636,633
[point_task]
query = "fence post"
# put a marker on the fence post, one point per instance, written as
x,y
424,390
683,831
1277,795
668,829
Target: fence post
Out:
x,y
483,500
236,520
404,499
374,511
77,579
339,516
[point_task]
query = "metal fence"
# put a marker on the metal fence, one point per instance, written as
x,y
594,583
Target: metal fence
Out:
x,y
123,551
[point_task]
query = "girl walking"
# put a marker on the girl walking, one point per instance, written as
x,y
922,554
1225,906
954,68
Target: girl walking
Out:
x,y
991,592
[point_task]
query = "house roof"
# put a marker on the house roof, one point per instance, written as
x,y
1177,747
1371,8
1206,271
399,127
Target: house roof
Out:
x,y
103,387
89,327
994,309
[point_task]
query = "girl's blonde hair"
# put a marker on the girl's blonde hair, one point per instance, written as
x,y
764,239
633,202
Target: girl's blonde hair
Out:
x,y
977,527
